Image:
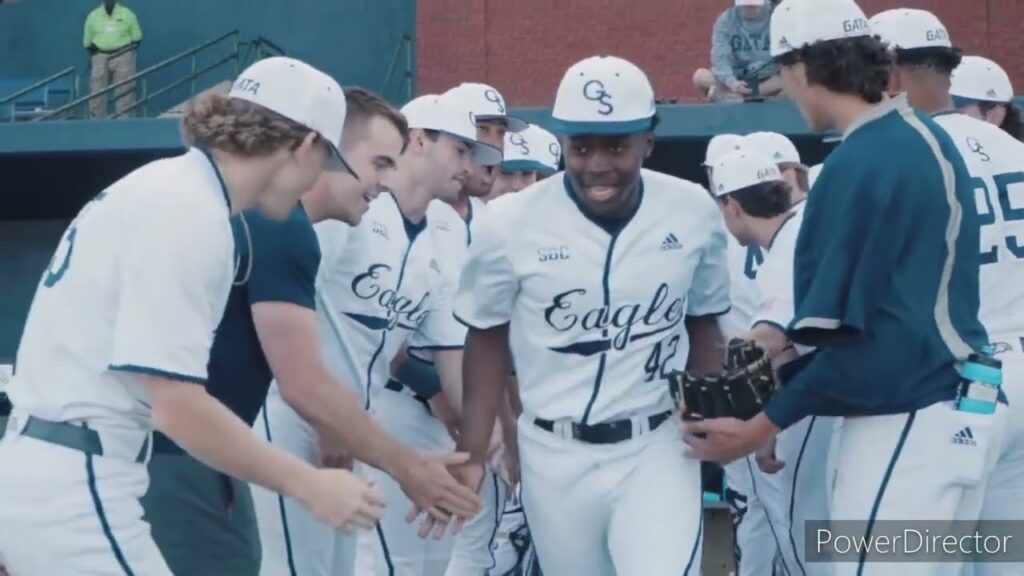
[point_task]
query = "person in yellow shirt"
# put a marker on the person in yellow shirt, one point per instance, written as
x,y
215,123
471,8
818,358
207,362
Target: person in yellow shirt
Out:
x,y
112,34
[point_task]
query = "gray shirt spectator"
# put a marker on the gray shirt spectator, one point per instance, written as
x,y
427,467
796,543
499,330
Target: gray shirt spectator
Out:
x,y
740,55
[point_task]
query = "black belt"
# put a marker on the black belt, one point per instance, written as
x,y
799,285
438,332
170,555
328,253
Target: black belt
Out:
x,y
396,386
606,432
71,436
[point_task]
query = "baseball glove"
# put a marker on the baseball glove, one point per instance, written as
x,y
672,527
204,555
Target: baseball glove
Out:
x,y
740,391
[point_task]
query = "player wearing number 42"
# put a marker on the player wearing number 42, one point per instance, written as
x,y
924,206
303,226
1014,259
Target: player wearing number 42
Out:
x,y
634,293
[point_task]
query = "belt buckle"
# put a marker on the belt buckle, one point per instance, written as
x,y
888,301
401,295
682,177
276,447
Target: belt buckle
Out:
x,y
576,430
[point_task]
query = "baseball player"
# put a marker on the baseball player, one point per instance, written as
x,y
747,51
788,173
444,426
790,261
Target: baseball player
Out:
x,y
982,89
892,314
530,155
757,206
925,58
787,159
401,406
376,283
756,542
602,279
120,330
202,521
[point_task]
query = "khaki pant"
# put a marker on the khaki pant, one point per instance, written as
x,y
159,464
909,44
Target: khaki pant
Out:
x,y
107,70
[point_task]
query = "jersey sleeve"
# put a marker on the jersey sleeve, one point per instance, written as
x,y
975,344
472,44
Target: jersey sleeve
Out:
x,y
285,257
173,286
775,285
332,236
488,285
709,293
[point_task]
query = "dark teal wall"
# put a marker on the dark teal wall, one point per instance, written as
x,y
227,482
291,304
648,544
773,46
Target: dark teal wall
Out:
x,y
353,40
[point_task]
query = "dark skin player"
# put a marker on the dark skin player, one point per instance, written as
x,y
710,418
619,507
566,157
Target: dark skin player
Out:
x,y
604,172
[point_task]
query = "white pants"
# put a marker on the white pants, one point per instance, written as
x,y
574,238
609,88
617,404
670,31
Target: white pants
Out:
x,y
63,512
756,540
912,467
395,548
508,554
474,550
770,510
293,540
628,509
1004,495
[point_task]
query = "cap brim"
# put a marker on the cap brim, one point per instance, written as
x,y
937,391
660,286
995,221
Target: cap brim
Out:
x,y
574,128
526,166
484,154
512,124
336,162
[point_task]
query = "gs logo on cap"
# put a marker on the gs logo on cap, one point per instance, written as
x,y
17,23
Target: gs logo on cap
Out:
x,y
517,139
594,91
555,151
493,96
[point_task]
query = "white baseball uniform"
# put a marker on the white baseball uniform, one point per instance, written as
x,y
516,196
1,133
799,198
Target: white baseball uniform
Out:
x,y
995,161
136,287
798,492
603,309
375,285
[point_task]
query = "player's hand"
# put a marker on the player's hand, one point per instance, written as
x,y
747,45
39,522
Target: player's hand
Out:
x,y
739,87
443,411
766,458
470,475
341,499
427,481
726,439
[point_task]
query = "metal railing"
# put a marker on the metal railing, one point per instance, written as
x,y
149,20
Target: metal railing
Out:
x,y
69,71
407,78
240,50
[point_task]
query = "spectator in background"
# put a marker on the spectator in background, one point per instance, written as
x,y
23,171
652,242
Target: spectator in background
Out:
x,y
741,66
111,35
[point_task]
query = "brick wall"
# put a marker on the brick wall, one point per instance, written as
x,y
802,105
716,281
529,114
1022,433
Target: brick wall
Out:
x,y
524,46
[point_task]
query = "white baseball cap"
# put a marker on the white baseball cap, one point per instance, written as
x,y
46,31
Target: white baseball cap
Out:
x,y
603,95
812,175
719,145
533,149
741,169
486,103
982,80
775,145
449,114
910,29
300,93
798,23
750,2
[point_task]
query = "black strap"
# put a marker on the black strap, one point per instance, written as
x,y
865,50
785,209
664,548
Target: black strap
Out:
x,y
396,386
606,432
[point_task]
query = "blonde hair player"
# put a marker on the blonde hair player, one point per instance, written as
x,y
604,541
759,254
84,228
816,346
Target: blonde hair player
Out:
x,y
118,337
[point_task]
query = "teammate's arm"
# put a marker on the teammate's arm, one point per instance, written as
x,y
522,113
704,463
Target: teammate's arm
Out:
x,y
485,371
707,345
288,334
206,429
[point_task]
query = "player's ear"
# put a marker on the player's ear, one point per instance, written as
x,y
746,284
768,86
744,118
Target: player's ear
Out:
x,y
648,144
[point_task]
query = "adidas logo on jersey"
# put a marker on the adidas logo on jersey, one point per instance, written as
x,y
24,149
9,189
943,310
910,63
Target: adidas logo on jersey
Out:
x,y
380,230
964,437
435,266
671,242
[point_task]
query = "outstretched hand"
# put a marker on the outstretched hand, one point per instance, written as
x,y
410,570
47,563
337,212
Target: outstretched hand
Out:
x,y
470,476
726,439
